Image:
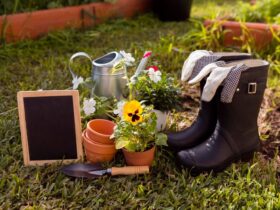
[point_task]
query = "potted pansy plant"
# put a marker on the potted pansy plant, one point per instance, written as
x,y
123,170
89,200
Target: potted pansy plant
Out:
x,y
136,133
159,89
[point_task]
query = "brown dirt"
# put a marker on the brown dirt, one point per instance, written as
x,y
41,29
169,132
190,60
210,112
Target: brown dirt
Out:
x,y
269,123
268,120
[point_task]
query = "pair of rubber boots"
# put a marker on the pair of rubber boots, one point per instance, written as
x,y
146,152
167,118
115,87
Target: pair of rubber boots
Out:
x,y
224,132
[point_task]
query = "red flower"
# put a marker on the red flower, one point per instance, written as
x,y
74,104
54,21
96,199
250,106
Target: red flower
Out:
x,y
155,68
147,54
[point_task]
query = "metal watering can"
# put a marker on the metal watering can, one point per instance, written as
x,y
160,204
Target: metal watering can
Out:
x,y
106,82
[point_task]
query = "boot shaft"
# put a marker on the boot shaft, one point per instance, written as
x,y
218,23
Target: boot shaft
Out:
x,y
239,118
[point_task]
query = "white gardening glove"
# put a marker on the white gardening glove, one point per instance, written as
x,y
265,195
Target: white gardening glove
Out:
x,y
191,61
203,73
216,77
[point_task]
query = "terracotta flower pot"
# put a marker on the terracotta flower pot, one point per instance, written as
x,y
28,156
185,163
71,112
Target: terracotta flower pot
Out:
x,y
237,33
31,25
100,130
139,158
96,152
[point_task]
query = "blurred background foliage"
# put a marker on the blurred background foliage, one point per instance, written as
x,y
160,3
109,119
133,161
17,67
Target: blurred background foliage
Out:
x,y
261,11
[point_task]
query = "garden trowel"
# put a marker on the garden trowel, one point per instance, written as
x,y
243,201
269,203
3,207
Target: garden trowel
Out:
x,y
95,170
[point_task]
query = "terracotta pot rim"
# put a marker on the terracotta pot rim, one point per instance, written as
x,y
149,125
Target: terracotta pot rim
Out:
x,y
99,120
96,140
152,148
261,26
90,141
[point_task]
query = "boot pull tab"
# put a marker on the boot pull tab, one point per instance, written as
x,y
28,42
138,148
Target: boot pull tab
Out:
x,y
252,88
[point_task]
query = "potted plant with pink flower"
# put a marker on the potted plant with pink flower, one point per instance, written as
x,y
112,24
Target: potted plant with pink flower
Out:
x,y
159,89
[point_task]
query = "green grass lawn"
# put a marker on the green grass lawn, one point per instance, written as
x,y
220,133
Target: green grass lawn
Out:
x,y
42,64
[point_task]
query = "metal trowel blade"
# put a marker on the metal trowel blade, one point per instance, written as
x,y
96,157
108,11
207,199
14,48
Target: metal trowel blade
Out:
x,y
81,170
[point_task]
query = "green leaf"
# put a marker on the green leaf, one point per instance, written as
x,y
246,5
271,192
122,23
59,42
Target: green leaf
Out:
x,y
131,147
122,142
161,139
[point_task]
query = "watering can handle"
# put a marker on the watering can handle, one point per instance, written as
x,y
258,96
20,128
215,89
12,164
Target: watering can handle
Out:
x,y
75,55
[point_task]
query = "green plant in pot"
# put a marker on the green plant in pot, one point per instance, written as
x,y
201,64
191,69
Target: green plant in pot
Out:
x,y
136,133
158,89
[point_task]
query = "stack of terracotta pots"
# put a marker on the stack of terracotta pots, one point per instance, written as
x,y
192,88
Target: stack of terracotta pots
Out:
x,y
96,140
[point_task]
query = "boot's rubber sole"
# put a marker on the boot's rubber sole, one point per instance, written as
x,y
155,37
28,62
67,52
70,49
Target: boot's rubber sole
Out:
x,y
244,157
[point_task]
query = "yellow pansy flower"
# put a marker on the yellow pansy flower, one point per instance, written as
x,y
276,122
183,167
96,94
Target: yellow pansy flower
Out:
x,y
132,112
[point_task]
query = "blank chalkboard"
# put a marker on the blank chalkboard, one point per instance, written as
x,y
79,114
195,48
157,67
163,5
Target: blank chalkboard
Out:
x,y
50,126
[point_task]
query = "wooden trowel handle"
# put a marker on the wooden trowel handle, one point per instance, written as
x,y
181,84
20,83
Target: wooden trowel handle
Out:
x,y
129,170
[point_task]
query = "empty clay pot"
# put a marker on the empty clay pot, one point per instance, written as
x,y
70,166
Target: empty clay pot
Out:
x,y
96,152
139,158
100,130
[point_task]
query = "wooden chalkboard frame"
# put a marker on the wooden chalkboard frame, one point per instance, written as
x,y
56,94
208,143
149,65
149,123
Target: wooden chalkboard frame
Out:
x,y
23,128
